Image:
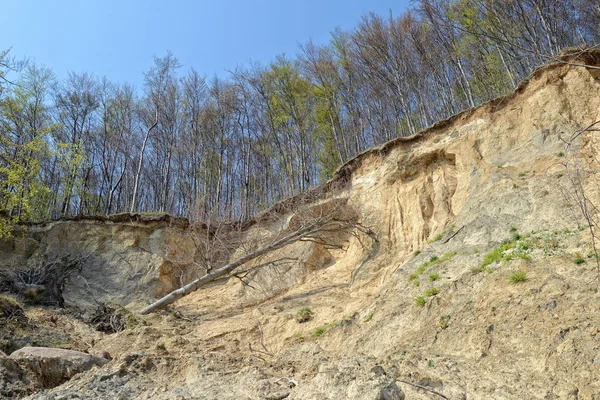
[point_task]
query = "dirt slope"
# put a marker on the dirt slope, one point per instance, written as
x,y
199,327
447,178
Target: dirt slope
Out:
x,y
487,185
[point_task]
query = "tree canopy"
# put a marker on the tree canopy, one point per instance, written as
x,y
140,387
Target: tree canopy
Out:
x,y
227,147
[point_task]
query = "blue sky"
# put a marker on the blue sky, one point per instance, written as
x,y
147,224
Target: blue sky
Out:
x,y
117,39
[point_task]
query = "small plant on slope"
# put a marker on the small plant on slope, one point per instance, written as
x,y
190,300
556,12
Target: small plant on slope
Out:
x,y
517,277
304,314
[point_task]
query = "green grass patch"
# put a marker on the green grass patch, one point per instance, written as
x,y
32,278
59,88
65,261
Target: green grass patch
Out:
x,y
432,291
369,317
517,277
434,260
516,247
420,301
433,277
318,332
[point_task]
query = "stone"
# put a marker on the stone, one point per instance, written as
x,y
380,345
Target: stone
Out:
x,y
378,370
391,392
551,305
55,366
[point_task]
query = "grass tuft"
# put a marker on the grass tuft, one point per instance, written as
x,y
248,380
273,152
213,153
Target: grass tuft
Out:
x,y
517,277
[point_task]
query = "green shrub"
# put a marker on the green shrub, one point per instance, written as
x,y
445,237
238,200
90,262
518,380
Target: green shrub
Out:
x,y
420,301
432,291
579,260
519,276
434,277
369,317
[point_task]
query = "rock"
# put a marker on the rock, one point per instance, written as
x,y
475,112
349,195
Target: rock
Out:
x,y
55,366
13,380
378,370
101,354
551,305
391,392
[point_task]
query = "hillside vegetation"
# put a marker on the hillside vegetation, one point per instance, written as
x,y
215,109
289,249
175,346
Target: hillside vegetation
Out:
x,y
226,148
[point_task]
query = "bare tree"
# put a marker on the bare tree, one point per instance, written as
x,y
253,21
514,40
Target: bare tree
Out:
x,y
315,223
581,166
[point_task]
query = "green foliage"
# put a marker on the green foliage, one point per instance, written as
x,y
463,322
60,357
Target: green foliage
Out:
x,y
579,260
432,291
369,317
444,321
161,347
433,277
518,276
318,332
434,260
420,301
506,252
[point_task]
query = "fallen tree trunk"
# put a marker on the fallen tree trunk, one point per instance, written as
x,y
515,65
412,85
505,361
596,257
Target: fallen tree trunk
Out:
x,y
320,224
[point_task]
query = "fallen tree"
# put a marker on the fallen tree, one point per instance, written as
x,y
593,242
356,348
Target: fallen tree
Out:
x,y
313,224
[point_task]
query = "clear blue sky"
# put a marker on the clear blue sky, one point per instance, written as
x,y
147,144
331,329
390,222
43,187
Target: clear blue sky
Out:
x,y
117,39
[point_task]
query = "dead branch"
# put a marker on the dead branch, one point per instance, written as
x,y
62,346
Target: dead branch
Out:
x,y
301,225
424,388
577,175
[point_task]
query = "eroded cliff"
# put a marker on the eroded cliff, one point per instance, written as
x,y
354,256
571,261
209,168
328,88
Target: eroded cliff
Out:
x,y
457,211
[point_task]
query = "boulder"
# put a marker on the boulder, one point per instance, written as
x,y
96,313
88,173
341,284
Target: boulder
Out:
x,y
55,366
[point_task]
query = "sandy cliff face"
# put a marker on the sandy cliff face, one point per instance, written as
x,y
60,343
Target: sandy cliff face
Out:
x,y
439,203
126,260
